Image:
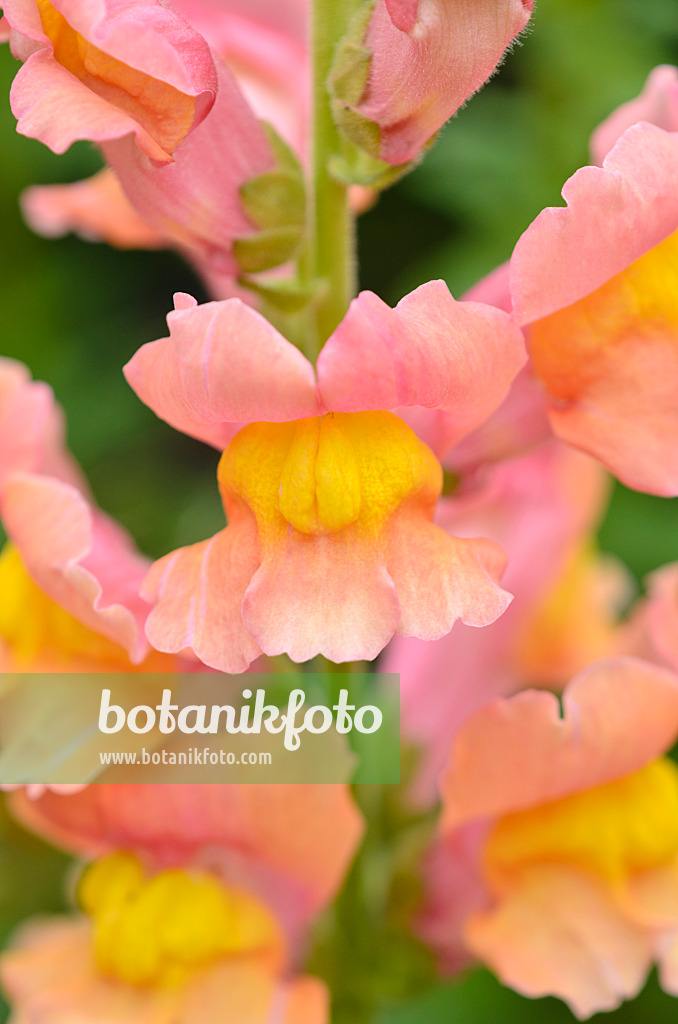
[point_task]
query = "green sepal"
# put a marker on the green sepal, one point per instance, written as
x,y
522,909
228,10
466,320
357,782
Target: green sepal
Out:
x,y
356,167
275,199
347,83
285,294
266,249
358,129
275,202
351,65
360,163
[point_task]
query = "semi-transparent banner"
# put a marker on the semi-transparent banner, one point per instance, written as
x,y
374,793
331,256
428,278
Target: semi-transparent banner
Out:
x,y
58,729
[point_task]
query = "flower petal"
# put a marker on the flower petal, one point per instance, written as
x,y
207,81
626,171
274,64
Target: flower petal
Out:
x,y
223,364
198,594
237,991
107,71
96,209
291,843
430,351
619,715
626,414
326,595
266,47
613,216
440,579
561,933
78,557
195,201
27,412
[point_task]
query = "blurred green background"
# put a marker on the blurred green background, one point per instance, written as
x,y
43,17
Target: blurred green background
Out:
x,y
76,312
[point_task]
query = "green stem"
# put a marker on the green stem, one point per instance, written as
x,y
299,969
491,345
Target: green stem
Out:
x,y
329,258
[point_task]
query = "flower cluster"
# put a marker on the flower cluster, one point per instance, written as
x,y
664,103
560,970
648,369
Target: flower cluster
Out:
x,y
420,484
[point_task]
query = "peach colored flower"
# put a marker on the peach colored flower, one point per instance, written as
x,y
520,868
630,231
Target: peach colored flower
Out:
x,y
329,496
516,427
97,209
563,831
601,313
290,845
540,508
172,947
69,575
107,71
139,81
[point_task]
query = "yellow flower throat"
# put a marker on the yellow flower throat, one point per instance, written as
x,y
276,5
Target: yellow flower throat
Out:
x,y
36,629
158,930
627,825
322,474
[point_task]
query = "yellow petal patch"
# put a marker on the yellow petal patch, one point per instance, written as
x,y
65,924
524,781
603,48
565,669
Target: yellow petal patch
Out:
x,y
322,474
625,826
320,480
165,112
575,623
637,304
38,633
156,930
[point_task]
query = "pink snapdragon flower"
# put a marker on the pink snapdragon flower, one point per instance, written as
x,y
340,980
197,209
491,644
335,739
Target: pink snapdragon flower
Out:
x,y
561,831
290,845
540,508
158,947
96,208
50,975
195,205
406,66
106,71
116,76
329,496
594,283
69,575
517,427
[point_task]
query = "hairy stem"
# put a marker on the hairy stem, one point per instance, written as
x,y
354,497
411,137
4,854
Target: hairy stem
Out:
x,y
329,258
